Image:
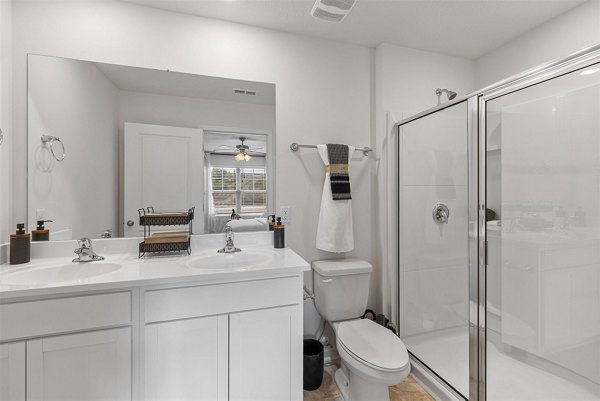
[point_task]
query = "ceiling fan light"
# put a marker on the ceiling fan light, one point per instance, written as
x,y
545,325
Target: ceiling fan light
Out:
x,y
239,157
247,157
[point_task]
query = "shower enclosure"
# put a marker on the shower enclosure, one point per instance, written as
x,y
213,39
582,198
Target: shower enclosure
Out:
x,y
499,237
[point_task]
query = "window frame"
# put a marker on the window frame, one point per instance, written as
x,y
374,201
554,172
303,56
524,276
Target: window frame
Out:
x,y
239,191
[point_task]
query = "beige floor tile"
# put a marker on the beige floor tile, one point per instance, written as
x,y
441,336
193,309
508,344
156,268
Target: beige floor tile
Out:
x,y
408,390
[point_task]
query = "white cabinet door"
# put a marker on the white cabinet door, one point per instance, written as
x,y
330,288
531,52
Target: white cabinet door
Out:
x,y
12,372
87,366
263,348
187,359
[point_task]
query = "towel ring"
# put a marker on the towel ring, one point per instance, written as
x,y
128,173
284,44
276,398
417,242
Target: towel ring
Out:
x,y
52,140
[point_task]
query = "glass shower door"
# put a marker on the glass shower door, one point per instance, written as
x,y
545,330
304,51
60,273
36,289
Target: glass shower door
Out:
x,y
433,243
543,233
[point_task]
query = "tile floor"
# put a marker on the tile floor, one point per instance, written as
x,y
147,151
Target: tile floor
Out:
x,y
408,390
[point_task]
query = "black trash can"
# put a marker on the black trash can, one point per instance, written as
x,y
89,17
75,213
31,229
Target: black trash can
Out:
x,y
314,356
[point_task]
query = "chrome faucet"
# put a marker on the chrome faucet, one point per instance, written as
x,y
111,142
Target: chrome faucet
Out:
x,y
229,247
85,253
107,233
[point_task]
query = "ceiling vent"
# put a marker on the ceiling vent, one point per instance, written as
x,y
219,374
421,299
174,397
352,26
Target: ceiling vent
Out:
x,y
245,92
332,10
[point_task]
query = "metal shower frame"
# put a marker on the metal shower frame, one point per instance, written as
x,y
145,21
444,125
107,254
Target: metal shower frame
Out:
x,y
476,153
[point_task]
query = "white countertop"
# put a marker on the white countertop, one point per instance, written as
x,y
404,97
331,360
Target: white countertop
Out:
x,y
51,270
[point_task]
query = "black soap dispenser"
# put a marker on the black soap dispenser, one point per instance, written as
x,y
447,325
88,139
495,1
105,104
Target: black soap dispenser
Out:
x,y
20,246
271,222
41,233
279,234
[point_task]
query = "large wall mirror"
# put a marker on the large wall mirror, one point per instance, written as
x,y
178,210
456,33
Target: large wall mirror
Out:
x,y
106,140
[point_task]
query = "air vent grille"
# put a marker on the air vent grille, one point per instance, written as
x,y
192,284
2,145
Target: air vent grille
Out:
x,y
332,10
245,92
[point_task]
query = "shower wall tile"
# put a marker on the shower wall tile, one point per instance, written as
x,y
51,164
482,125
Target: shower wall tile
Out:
x,y
434,149
434,299
425,244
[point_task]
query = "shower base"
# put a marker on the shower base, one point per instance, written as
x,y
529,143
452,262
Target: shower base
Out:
x,y
509,378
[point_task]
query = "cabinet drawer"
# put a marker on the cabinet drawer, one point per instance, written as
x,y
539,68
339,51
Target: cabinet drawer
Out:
x,y
37,318
188,302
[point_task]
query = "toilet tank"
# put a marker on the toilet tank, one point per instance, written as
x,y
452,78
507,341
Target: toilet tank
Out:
x,y
341,288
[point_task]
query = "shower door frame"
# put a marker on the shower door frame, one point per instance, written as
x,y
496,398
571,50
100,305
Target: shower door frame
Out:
x,y
546,72
472,164
477,193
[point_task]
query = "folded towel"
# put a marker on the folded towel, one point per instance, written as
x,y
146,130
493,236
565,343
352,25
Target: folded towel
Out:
x,y
338,169
334,231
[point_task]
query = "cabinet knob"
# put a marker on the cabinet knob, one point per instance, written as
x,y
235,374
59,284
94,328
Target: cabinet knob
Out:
x,y
130,223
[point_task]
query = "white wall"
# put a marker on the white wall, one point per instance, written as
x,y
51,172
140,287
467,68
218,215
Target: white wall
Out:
x,y
191,113
573,31
5,119
81,107
323,90
405,83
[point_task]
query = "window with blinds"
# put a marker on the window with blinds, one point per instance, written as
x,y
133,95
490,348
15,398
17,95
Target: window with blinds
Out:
x,y
243,189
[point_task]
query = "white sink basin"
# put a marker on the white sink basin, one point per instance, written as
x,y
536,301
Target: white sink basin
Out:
x,y
232,261
58,273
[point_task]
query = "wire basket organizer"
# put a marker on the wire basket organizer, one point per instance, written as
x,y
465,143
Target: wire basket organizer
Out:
x,y
167,241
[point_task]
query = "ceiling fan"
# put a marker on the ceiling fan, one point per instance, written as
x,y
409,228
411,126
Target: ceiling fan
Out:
x,y
241,151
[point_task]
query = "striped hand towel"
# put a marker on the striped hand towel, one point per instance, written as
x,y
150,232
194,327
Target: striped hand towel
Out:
x,y
338,169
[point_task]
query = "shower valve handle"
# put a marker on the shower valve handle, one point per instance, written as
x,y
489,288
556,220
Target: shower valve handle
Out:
x,y
440,213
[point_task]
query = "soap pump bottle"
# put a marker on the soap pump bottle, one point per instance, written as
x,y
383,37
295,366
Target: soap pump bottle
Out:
x,y
271,222
279,234
41,233
20,246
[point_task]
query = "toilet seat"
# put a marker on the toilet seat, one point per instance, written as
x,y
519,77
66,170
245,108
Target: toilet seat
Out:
x,y
372,345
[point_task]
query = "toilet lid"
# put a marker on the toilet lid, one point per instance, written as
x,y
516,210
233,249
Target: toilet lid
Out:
x,y
373,344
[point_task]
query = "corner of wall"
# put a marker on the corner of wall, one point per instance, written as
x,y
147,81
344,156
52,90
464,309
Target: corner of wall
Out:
x,y
5,119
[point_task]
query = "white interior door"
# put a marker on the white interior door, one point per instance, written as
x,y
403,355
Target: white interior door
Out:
x,y
12,372
163,168
187,359
86,366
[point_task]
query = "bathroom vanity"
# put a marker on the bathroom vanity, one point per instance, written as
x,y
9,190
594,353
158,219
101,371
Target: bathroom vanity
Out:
x,y
206,326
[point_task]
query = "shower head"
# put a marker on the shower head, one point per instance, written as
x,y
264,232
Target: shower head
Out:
x,y
451,94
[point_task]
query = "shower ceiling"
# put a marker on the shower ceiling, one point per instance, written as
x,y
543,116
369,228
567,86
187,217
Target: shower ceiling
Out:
x,y
465,28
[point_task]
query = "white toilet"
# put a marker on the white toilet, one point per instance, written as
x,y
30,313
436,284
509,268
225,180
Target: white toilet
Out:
x,y
373,357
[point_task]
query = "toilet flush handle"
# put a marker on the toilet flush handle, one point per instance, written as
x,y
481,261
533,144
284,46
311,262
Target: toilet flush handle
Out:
x,y
328,280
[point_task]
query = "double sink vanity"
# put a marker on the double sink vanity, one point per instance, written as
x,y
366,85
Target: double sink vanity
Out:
x,y
208,326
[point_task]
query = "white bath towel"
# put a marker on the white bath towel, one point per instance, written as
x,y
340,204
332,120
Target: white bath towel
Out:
x,y
334,232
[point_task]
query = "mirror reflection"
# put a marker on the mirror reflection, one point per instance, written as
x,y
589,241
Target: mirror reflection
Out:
x,y
106,140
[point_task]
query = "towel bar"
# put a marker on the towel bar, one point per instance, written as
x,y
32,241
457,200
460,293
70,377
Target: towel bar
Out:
x,y
295,146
